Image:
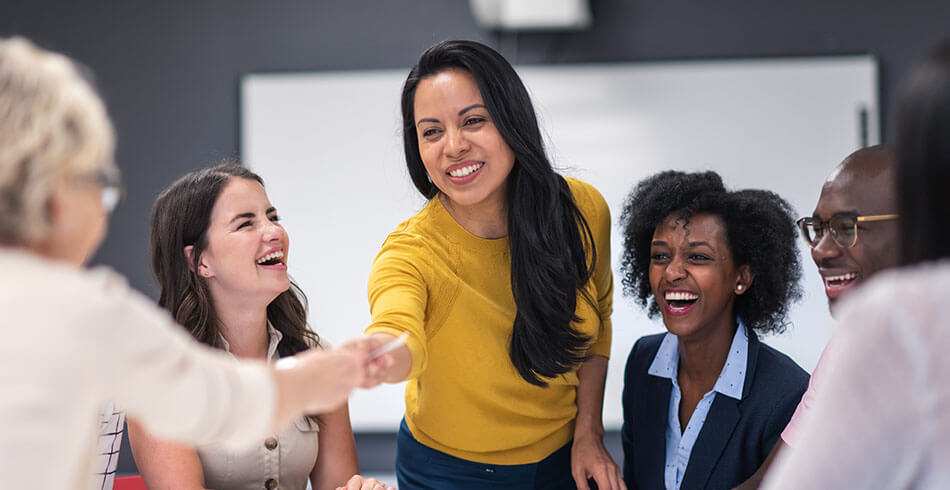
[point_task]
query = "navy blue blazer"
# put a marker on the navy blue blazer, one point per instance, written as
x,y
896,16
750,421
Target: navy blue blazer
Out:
x,y
737,435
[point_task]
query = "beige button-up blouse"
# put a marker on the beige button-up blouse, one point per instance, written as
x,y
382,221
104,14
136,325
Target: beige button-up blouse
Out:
x,y
283,460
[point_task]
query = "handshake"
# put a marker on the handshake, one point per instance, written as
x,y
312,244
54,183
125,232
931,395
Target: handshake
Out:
x,y
318,381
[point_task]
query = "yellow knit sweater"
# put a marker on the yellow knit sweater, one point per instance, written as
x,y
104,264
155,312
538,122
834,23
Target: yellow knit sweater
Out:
x,y
452,292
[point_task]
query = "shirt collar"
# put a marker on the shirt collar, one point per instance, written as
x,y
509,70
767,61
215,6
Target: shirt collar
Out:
x,y
732,377
274,337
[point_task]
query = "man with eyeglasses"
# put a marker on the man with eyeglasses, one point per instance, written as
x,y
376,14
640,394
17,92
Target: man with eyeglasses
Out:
x,y
853,235
853,231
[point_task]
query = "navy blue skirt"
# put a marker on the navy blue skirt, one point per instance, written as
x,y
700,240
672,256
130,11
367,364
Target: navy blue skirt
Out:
x,y
419,467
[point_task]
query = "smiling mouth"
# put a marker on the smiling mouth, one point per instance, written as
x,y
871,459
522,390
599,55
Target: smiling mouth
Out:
x,y
466,171
680,302
840,281
273,258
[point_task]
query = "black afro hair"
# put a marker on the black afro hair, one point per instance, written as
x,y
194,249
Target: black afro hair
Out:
x,y
760,229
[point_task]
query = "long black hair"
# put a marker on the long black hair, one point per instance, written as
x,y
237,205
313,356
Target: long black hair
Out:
x,y
180,217
760,229
923,156
549,239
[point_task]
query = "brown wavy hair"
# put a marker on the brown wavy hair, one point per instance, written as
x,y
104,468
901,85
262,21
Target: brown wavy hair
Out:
x,y
180,217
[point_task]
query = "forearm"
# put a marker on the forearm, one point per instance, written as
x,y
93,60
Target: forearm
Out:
x,y
590,398
315,382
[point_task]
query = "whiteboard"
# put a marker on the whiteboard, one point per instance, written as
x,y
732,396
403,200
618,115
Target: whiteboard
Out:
x,y
328,146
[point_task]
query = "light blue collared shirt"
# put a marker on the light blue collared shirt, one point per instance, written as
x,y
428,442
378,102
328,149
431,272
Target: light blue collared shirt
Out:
x,y
679,443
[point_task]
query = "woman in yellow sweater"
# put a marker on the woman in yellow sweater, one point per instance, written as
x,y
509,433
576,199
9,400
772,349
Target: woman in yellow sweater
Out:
x,y
503,284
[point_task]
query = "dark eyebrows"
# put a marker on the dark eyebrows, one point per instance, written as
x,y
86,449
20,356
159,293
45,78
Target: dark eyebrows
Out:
x,y
242,215
461,112
659,243
270,210
699,244
473,106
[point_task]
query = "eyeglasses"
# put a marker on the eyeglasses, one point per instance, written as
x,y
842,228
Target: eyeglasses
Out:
x,y
843,228
111,183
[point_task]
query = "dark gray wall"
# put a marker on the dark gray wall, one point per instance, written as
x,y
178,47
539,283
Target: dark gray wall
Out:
x,y
169,70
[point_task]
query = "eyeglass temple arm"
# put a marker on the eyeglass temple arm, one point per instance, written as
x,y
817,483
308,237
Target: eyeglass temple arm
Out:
x,y
878,217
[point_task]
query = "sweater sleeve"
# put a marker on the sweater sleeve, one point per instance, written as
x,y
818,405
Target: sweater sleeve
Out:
x,y
179,389
397,298
595,211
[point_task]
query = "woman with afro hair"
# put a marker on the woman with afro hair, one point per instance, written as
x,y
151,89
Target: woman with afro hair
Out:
x,y
704,403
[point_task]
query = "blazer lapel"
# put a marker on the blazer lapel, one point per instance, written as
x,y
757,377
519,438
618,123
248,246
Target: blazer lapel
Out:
x,y
717,430
715,434
654,423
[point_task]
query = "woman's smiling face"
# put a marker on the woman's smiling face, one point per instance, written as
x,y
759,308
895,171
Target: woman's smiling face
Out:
x,y
247,247
461,149
693,275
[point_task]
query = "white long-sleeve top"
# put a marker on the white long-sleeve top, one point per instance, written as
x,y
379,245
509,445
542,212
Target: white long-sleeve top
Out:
x,y
882,419
71,340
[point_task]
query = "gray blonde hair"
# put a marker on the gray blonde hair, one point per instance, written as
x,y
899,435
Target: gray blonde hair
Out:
x,y
53,126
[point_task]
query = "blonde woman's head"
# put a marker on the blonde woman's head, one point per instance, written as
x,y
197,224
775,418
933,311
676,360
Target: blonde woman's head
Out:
x,y
56,142
54,135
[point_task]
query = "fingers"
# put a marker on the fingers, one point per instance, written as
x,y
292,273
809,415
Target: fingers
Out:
x,y
600,468
354,483
601,478
580,478
608,477
357,482
377,370
377,363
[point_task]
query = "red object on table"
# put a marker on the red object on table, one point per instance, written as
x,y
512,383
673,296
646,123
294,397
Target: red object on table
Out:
x,y
129,483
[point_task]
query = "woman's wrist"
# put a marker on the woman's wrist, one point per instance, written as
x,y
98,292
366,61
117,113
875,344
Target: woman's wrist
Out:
x,y
594,431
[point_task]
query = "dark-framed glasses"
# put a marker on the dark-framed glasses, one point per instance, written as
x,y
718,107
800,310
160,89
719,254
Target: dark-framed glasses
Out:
x,y
843,228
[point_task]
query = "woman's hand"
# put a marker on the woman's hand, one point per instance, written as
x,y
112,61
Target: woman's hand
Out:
x,y
389,367
360,483
590,459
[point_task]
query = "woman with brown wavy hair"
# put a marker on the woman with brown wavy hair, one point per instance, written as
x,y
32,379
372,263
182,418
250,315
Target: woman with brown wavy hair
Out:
x,y
220,256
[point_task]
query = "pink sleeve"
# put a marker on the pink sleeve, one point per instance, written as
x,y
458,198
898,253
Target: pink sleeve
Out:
x,y
790,434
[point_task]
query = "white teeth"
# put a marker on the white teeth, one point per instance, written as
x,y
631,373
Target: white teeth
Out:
x,y
462,172
680,296
271,256
843,277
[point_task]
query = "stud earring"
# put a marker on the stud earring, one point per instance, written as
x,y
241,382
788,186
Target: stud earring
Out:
x,y
738,287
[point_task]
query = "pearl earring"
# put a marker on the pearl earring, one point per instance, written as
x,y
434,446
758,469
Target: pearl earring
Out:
x,y
739,287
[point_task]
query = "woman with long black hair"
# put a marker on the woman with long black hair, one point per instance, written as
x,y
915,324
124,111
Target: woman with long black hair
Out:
x,y
502,283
